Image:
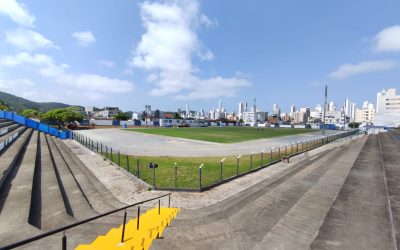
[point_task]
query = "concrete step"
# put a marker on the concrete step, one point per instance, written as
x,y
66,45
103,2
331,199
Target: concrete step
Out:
x,y
298,227
5,130
8,138
358,219
16,233
14,216
5,124
80,207
107,197
391,162
17,204
241,222
55,210
10,156
95,198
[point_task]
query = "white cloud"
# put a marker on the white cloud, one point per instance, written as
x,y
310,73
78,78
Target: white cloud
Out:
x,y
28,39
107,63
84,38
347,70
25,58
20,86
206,21
18,12
213,88
95,86
167,47
206,55
388,39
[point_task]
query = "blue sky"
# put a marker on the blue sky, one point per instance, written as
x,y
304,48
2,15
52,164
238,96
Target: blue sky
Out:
x,y
169,53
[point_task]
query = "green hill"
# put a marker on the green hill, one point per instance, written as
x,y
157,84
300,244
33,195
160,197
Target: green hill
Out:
x,y
18,103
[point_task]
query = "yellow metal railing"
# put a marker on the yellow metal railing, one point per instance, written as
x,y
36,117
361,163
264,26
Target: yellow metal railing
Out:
x,y
136,236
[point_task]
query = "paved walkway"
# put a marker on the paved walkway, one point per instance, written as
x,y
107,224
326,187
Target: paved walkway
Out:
x,y
136,143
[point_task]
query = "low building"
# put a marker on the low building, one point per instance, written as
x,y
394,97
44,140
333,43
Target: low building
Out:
x,y
253,118
108,112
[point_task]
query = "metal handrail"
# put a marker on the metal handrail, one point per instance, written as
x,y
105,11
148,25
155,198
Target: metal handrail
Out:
x,y
61,229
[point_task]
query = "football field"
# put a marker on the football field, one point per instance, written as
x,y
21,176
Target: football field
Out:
x,y
223,134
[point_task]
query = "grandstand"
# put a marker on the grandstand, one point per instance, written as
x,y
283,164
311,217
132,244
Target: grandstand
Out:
x,y
342,196
43,186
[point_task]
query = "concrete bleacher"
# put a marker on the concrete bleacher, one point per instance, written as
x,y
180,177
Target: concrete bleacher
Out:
x,y
44,186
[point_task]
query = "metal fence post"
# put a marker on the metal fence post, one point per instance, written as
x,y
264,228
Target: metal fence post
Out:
x,y
97,147
159,206
237,164
262,157
119,159
286,150
220,168
154,178
127,162
137,168
270,156
111,154
123,228
251,160
176,174
101,148
279,153
106,152
64,242
138,218
297,147
200,168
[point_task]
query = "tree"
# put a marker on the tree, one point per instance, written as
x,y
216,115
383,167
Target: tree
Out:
x,y
61,116
4,106
30,113
157,114
144,116
354,125
177,116
121,116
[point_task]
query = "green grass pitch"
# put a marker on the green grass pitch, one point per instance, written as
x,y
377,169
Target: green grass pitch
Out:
x,y
223,134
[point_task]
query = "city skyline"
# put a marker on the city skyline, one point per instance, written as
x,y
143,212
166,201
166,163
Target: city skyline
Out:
x,y
172,53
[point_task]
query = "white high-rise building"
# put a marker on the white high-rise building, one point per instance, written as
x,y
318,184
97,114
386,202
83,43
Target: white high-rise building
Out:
x,y
366,113
241,110
318,108
276,110
347,107
332,107
353,112
187,111
292,110
387,101
387,108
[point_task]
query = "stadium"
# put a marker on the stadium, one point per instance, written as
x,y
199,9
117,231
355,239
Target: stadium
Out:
x,y
84,190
